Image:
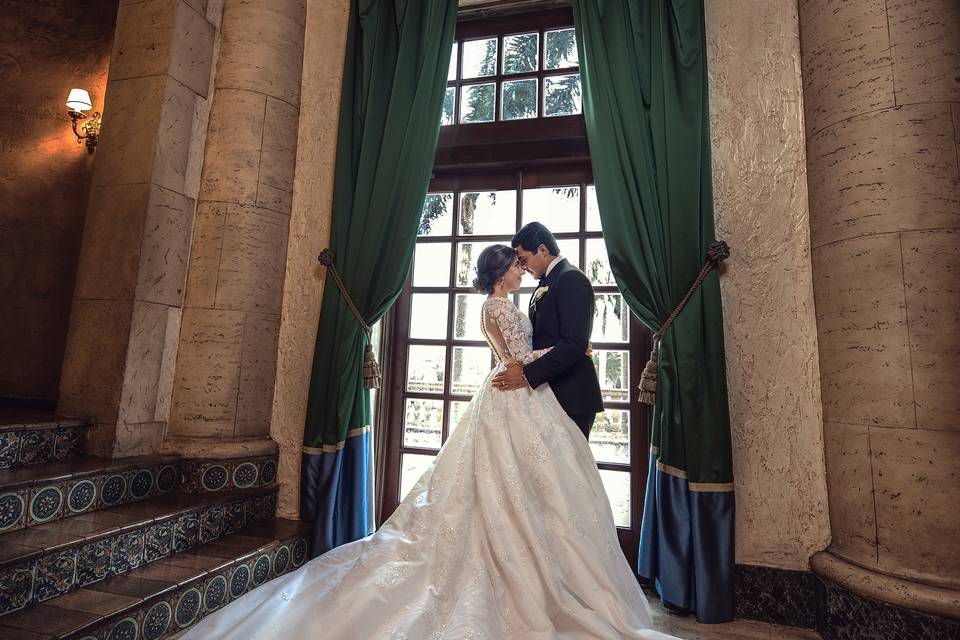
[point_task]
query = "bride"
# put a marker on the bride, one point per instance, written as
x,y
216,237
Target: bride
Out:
x,y
509,535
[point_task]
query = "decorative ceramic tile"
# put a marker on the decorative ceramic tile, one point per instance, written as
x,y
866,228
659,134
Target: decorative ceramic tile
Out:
x,y
12,510
239,581
261,570
187,608
68,442
9,449
167,478
211,524
55,574
233,518
81,496
126,629
158,542
127,552
93,561
141,485
214,478
16,588
114,490
245,475
185,532
215,593
36,446
156,621
281,560
298,552
269,472
46,503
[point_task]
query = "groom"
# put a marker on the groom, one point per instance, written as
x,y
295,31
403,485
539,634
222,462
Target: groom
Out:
x,y
561,312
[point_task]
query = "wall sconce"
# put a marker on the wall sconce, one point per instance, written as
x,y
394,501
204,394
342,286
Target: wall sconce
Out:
x,y
77,102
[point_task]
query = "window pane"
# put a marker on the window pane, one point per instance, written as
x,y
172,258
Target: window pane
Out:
x,y
452,71
467,254
611,319
593,211
425,366
428,316
431,264
518,99
520,53
449,99
617,484
458,409
569,249
556,207
479,58
470,366
437,216
561,95
423,423
466,319
561,49
488,213
412,467
477,102
610,436
598,263
613,372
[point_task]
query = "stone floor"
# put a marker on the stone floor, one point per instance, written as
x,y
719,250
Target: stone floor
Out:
x,y
688,628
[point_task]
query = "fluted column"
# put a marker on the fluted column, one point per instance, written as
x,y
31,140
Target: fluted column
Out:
x,y
227,356
882,105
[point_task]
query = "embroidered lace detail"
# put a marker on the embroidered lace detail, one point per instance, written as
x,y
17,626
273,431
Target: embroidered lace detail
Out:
x,y
509,332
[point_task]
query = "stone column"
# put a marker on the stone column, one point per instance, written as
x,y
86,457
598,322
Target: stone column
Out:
x,y
126,310
882,104
227,355
325,42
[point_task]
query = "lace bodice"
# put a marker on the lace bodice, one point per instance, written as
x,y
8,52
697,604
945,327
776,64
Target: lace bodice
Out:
x,y
509,332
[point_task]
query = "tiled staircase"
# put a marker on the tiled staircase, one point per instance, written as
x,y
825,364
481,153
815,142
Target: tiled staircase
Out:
x,y
133,548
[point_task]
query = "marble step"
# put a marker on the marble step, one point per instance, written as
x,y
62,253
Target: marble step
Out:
x,y
48,560
165,597
30,438
34,495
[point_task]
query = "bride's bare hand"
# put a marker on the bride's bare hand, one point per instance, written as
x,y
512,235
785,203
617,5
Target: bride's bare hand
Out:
x,y
589,349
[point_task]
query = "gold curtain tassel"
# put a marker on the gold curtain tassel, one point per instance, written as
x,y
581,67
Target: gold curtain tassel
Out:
x,y
648,379
371,369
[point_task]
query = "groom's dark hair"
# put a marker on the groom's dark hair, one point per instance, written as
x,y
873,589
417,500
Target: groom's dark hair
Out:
x,y
534,234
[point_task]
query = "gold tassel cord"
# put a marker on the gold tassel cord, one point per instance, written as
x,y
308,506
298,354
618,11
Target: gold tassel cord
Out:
x,y
717,252
372,378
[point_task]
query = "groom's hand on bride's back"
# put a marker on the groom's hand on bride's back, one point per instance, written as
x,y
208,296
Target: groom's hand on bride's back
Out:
x,y
510,378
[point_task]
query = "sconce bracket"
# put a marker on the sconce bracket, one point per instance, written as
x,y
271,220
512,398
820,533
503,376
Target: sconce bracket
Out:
x,y
89,131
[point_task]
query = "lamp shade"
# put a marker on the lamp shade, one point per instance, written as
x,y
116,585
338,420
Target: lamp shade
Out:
x,y
79,100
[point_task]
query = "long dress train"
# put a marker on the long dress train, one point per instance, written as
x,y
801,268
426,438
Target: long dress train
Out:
x,y
508,535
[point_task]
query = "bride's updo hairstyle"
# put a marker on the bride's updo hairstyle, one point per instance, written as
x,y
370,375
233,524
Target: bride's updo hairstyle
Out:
x,y
494,261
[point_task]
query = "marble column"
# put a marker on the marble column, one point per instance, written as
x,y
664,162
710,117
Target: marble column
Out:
x,y
227,353
126,311
882,104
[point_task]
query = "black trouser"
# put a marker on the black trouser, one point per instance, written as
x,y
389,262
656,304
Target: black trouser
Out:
x,y
584,421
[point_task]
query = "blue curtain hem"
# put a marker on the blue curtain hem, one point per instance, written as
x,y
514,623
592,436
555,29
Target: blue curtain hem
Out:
x,y
687,546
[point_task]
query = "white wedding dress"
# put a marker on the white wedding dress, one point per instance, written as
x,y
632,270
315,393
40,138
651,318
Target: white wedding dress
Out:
x,y
509,535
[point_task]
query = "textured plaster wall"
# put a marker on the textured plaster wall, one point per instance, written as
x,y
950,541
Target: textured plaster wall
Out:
x,y
760,195
324,43
47,49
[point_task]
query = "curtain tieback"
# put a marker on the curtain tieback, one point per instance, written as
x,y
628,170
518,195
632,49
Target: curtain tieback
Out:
x,y
371,369
717,252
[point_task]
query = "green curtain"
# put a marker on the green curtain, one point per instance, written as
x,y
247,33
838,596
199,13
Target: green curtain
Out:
x,y
395,71
644,72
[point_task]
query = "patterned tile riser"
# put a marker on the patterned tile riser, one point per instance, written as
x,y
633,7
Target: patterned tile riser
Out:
x,y
26,507
50,575
223,475
184,607
35,446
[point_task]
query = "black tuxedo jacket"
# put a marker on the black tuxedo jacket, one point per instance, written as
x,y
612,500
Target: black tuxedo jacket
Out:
x,y
563,318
